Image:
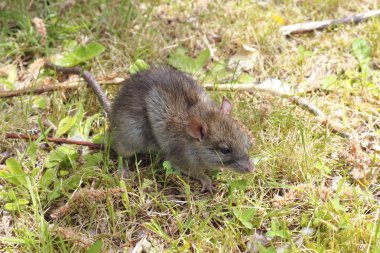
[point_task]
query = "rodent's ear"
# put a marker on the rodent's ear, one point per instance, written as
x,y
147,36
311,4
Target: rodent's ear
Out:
x,y
226,106
196,128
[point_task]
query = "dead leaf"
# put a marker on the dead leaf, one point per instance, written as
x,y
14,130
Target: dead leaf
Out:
x,y
275,85
41,30
246,59
258,238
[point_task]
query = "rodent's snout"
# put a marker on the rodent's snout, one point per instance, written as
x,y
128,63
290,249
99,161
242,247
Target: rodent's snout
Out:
x,y
246,166
249,167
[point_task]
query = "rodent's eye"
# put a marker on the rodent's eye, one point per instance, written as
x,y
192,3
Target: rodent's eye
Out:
x,y
225,150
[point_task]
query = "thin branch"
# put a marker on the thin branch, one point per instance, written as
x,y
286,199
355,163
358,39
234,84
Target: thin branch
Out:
x,y
90,80
319,25
305,104
71,85
91,145
321,117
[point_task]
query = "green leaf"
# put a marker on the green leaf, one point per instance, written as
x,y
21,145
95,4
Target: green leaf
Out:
x,y
65,125
239,185
92,159
247,224
76,129
244,216
95,247
7,176
16,170
182,62
87,125
169,170
362,53
40,102
11,206
248,214
329,82
55,193
167,165
202,58
81,54
62,156
138,66
32,151
48,178
147,183
23,202
72,182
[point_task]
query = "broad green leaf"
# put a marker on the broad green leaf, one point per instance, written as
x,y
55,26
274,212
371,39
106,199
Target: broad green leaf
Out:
x,y
62,156
8,176
248,214
95,247
247,224
65,125
181,61
32,150
55,193
244,216
362,53
48,178
239,185
202,58
39,102
92,159
245,78
71,182
15,168
87,125
63,173
99,138
137,66
76,129
80,54
23,202
11,207
329,82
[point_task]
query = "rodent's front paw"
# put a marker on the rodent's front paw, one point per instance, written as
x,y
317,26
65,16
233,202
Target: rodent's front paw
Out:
x,y
207,185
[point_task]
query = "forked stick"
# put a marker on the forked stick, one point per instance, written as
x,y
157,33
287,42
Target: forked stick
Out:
x,y
319,25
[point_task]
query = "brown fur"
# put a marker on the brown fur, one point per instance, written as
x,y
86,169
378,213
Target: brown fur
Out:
x,y
165,111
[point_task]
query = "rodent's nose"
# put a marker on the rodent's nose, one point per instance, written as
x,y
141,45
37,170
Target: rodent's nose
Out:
x,y
249,167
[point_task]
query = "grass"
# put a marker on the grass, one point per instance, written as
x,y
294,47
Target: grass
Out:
x,y
307,178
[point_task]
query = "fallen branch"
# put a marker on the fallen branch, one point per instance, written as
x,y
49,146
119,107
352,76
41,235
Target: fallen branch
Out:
x,y
321,117
319,25
71,85
305,104
90,80
91,145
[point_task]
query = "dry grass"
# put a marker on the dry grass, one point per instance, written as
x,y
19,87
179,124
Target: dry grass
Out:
x,y
307,177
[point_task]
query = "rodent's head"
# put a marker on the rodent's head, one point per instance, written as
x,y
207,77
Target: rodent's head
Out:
x,y
221,140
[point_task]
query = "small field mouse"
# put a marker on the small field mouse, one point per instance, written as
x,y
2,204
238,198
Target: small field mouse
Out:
x,y
164,110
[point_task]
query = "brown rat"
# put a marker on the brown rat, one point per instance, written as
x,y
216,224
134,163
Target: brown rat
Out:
x,y
164,110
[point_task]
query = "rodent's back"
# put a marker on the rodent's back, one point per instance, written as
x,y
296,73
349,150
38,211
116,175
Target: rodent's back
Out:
x,y
151,100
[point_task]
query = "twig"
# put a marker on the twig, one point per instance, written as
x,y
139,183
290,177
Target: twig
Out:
x,y
305,104
321,117
91,145
318,25
54,87
104,100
